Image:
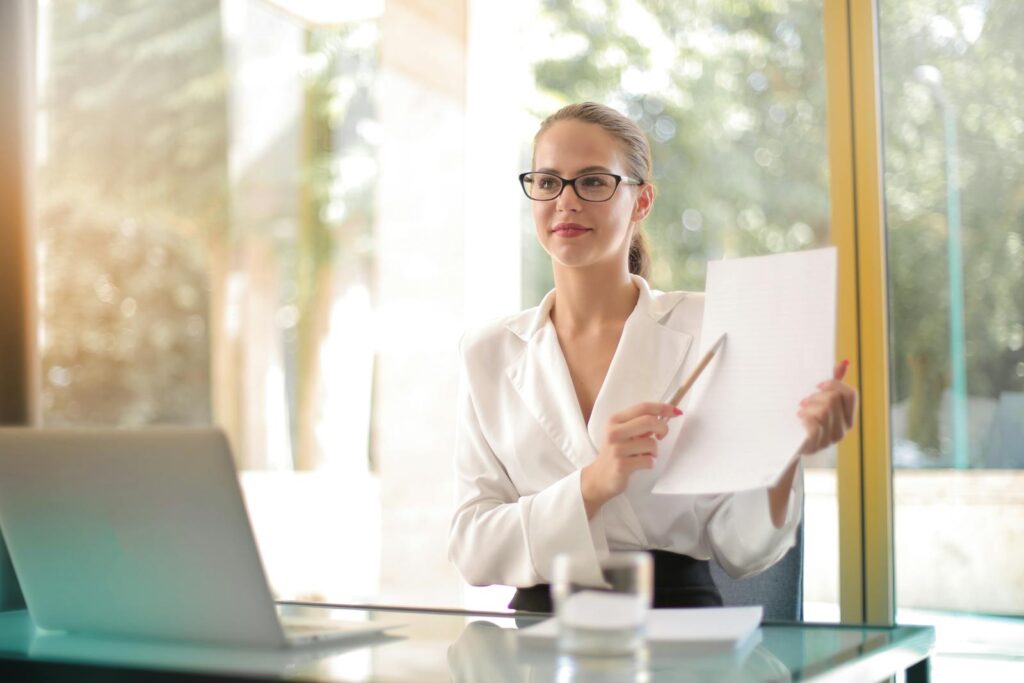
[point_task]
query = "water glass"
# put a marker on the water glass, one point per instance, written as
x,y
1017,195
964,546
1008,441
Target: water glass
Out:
x,y
605,620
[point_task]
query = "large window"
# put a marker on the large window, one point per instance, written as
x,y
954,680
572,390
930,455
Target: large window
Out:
x,y
267,217
954,169
258,214
216,244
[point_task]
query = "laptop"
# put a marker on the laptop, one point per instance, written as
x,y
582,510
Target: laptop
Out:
x,y
141,534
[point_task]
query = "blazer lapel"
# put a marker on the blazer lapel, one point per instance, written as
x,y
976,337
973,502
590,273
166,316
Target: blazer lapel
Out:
x,y
647,364
542,380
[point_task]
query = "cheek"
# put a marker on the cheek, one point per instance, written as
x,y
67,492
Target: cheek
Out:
x,y
541,218
619,217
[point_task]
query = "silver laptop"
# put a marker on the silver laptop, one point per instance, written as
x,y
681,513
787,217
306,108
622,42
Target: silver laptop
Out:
x,y
142,534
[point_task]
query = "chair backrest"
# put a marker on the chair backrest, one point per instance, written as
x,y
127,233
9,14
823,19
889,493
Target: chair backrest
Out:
x,y
779,588
10,590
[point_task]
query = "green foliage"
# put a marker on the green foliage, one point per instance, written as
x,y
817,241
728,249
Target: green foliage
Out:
x,y
734,107
974,48
732,96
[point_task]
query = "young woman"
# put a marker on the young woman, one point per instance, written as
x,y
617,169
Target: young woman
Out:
x,y
557,436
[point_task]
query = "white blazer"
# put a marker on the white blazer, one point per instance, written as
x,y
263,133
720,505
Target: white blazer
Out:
x,y
521,443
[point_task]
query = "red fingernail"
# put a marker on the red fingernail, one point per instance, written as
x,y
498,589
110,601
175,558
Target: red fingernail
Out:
x,y
846,361
677,412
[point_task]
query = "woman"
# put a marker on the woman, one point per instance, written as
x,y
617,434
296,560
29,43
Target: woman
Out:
x,y
557,441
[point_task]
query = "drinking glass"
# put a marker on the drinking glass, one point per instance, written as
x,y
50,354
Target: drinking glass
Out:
x,y
606,620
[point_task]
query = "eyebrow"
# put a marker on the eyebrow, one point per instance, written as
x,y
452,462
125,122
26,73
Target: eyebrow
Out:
x,y
582,171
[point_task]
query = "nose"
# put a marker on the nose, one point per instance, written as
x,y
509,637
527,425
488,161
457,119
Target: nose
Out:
x,y
568,200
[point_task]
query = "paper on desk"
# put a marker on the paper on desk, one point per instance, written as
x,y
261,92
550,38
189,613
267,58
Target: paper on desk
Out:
x,y
740,430
713,627
604,609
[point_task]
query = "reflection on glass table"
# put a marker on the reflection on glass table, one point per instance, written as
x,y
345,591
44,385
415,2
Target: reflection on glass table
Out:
x,y
439,645
486,652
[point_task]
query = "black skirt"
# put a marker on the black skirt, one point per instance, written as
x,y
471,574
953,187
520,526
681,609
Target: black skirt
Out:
x,y
679,581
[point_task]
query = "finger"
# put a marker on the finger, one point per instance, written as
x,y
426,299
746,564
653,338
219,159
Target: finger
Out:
x,y
849,407
837,402
836,421
817,402
634,447
648,408
840,370
831,385
825,420
645,424
828,410
641,462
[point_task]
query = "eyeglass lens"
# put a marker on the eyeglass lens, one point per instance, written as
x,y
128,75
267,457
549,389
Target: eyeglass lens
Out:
x,y
592,187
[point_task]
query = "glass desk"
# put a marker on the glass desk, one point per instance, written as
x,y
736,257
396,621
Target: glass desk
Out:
x,y
437,645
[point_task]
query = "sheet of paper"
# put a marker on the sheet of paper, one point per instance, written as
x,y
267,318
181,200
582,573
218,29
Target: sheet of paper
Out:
x,y
604,609
719,625
740,430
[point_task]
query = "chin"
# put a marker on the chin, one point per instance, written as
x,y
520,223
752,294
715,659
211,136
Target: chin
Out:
x,y
569,257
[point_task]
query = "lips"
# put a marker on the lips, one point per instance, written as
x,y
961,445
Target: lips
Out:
x,y
570,230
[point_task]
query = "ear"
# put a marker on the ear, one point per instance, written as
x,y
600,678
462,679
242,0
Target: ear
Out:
x,y
644,203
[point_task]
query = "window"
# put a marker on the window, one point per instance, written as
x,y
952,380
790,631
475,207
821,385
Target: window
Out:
x,y
954,167
241,221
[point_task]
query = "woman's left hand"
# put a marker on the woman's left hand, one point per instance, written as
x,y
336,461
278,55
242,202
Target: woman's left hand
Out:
x,y
828,413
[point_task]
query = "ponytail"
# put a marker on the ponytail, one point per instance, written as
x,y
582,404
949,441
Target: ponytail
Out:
x,y
639,252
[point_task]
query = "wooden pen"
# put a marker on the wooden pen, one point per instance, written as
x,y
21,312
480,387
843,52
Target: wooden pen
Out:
x,y
678,396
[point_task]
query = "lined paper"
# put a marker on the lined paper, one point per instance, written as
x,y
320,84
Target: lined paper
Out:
x,y
741,430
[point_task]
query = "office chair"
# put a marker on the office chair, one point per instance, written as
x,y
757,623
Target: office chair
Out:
x,y
10,589
780,588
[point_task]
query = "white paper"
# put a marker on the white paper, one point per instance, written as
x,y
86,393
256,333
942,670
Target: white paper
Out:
x,y
603,609
719,626
740,430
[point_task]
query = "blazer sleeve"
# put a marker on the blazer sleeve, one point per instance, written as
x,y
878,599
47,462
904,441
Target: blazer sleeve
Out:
x,y
740,532
498,536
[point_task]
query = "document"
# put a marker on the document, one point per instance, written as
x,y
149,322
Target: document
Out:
x,y
706,629
741,430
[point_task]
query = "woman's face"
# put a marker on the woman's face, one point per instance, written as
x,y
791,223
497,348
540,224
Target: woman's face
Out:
x,y
578,233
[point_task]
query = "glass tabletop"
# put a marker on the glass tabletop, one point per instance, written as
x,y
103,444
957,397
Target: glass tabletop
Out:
x,y
436,645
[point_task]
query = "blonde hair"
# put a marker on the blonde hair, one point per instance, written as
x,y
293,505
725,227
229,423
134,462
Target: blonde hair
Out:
x,y
638,161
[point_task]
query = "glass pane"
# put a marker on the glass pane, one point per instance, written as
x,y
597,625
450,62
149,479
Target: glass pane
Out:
x,y
132,166
732,98
206,175
240,221
954,168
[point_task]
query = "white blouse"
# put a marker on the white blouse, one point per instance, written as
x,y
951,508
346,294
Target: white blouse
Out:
x,y
521,443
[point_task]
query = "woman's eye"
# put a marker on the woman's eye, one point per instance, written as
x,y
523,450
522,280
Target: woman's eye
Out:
x,y
546,183
595,181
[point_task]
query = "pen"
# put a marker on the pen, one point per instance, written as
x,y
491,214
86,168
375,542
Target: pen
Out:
x,y
678,396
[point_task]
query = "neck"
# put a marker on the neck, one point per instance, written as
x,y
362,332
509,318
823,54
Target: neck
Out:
x,y
592,297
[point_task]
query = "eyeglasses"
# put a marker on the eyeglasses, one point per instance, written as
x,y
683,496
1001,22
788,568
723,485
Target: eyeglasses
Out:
x,y
590,187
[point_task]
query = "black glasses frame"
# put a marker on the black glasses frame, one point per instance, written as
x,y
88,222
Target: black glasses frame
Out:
x,y
619,179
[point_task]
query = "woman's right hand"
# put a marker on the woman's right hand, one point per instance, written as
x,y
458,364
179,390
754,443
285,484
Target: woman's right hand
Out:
x,y
630,444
